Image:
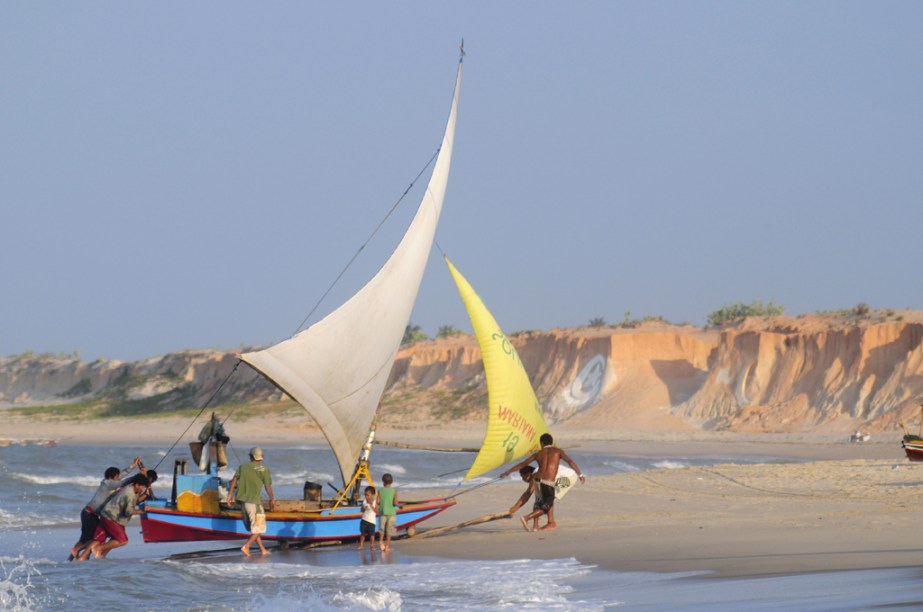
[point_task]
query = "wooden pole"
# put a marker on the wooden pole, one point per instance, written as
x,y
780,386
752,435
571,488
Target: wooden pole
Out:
x,y
429,448
483,519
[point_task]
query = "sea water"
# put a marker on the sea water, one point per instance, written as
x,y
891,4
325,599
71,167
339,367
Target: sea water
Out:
x,y
43,489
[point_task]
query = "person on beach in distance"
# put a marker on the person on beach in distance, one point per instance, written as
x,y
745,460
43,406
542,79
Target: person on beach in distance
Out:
x,y
387,507
367,524
548,459
113,480
114,515
249,480
528,476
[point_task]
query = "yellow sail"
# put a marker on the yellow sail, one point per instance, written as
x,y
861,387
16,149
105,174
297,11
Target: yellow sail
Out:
x,y
515,421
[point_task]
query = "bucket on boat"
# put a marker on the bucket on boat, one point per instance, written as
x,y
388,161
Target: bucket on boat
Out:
x,y
312,491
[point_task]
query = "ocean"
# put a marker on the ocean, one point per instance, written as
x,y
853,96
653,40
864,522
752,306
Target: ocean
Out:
x,y
42,490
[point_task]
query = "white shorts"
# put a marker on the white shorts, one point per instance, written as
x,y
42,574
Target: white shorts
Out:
x,y
254,517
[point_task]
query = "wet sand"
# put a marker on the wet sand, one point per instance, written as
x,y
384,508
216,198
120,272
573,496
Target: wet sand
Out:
x,y
735,520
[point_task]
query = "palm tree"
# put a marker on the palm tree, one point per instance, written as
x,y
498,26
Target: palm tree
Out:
x,y
447,330
413,333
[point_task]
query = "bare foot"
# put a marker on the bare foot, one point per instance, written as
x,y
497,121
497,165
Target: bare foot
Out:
x,y
245,550
549,526
264,552
359,547
525,523
97,554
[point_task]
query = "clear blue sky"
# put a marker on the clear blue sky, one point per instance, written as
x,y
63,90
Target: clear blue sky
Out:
x,y
182,175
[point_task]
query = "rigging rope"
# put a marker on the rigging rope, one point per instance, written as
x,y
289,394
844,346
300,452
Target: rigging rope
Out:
x,y
367,240
207,404
483,484
316,306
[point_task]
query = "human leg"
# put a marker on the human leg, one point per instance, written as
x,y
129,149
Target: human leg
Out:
x,y
101,550
532,516
246,547
248,514
89,521
550,524
388,527
114,532
259,542
88,550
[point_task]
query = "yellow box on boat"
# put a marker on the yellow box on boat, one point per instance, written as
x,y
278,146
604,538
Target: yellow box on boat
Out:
x,y
207,501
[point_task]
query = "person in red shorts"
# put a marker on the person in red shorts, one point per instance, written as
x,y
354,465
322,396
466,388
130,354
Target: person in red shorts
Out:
x,y
114,516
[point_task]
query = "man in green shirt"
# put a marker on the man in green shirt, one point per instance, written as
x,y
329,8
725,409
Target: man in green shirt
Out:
x,y
249,480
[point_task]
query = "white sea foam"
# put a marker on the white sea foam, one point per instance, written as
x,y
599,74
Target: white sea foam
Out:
x,y
371,599
435,583
670,465
390,468
56,479
16,589
622,466
19,520
298,478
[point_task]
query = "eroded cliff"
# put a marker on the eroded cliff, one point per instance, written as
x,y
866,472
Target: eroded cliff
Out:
x,y
832,373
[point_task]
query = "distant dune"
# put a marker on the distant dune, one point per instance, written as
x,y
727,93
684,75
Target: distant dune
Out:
x,y
813,373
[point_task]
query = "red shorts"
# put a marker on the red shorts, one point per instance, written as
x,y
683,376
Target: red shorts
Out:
x,y
109,529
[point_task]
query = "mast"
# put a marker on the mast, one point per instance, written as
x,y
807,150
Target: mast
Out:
x,y
337,369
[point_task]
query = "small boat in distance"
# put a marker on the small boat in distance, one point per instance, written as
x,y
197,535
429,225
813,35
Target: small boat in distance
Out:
x,y
913,444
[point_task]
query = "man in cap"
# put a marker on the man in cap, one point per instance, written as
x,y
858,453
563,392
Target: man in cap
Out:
x,y
248,481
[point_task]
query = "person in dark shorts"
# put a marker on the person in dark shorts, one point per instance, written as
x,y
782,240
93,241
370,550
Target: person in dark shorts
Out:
x,y
113,517
527,474
113,480
367,524
548,459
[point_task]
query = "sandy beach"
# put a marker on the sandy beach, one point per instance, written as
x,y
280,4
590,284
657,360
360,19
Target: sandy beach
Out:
x,y
849,506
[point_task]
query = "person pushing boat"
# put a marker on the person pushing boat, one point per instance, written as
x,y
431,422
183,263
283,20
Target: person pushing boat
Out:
x,y
548,459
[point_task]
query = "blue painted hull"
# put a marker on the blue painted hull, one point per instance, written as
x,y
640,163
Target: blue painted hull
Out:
x,y
161,523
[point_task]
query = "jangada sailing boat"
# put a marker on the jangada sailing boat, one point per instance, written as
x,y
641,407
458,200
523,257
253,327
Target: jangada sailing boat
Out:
x,y
337,370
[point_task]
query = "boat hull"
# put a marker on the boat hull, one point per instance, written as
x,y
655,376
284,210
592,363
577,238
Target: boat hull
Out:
x,y
161,523
913,447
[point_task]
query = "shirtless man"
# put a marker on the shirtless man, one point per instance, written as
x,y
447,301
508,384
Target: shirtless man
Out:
x,y
549,458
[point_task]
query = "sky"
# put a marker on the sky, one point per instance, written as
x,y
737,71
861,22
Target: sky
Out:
x,y
192,175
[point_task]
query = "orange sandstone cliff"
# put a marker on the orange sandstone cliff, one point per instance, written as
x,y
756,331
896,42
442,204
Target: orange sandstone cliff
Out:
x,y
814,373
819,373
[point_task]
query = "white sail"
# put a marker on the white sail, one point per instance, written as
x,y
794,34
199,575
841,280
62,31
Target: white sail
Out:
x,y
337,368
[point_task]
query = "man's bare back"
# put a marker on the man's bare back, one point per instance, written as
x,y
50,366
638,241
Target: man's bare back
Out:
x,y
548,459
